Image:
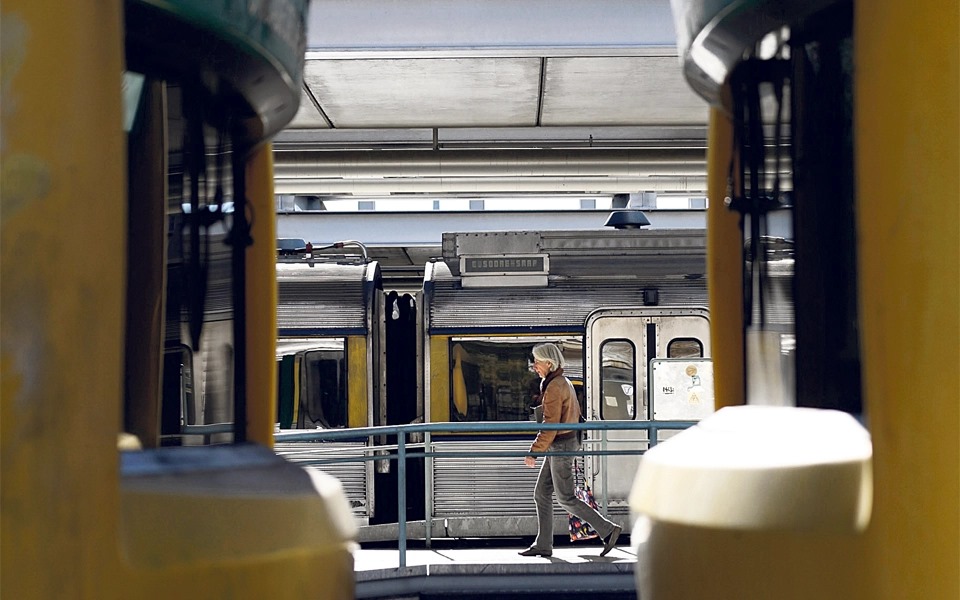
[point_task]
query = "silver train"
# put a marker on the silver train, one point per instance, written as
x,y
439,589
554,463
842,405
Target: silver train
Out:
x,y
626,306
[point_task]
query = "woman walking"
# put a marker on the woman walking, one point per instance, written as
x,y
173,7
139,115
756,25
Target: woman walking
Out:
x,y
560,405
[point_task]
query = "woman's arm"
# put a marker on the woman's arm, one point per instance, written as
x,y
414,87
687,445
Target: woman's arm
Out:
x,y
552,411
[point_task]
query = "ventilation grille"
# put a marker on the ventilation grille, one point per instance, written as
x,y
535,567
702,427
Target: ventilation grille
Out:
x,y
565,304
352,475
486,486
321,297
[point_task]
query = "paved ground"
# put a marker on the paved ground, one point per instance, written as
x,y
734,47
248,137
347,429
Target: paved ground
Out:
x,y
585,553
488,572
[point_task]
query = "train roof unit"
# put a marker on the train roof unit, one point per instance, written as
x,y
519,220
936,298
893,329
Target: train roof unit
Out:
x,y
551,280
326,298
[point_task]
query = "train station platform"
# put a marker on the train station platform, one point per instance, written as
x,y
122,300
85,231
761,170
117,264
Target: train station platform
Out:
x,y
489,572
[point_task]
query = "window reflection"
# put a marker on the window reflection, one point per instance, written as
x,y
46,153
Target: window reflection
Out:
x,y
493,380
617,385
685,348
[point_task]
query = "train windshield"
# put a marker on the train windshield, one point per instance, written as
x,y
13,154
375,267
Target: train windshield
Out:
x,y
312,383
323,400
493,379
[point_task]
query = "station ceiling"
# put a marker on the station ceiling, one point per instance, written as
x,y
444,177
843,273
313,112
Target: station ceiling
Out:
x,y
458,97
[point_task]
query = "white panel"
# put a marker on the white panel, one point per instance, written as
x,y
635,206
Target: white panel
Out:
x,y
451,92
681,389
622,91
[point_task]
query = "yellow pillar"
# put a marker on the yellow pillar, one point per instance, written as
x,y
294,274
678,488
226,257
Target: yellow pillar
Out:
x,y
62,266
724,268
908,211
261,295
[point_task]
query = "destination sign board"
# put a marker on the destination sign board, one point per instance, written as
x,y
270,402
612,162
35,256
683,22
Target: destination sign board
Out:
x,y
488,265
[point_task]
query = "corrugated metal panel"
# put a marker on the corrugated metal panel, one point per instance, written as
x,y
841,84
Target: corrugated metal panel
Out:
x,y
324,296
778,303
573,370
484,486
219,287
778,295
564,303
218,302
676,263
352,475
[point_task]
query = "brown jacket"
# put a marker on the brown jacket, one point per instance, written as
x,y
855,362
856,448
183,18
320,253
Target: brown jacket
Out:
x,y
560,405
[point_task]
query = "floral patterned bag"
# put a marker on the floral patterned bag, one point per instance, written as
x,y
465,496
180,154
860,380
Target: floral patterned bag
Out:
x,y
579,529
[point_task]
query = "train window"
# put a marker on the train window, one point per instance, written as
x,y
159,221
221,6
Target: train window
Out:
x,y
132,88
323,393
493,380
285,391
685,348
617,383
178,407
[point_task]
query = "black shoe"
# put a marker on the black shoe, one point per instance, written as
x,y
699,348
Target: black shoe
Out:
x,y
531,551
612,540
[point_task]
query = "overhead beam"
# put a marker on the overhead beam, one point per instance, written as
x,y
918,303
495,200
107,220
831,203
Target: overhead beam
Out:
x,y
585,171
411,229
490,185
382,28
489,163
648,136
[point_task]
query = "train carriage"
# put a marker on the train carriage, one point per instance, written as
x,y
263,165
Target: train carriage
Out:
x,y
335,326
497,294
330,362
622,304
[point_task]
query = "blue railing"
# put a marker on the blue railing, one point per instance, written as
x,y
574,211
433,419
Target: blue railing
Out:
x,y
402,454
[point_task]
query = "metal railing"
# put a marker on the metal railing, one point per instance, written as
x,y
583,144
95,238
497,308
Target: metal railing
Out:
x,y
400,451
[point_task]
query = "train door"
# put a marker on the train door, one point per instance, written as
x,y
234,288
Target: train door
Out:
x,y
628,352
399,360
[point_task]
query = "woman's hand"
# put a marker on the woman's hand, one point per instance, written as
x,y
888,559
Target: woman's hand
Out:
x,y
530,461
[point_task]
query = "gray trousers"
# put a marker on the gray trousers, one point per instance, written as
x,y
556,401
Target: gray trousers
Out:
x,y
556,475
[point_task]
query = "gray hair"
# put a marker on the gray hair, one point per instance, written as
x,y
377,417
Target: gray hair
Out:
x,y
549,353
